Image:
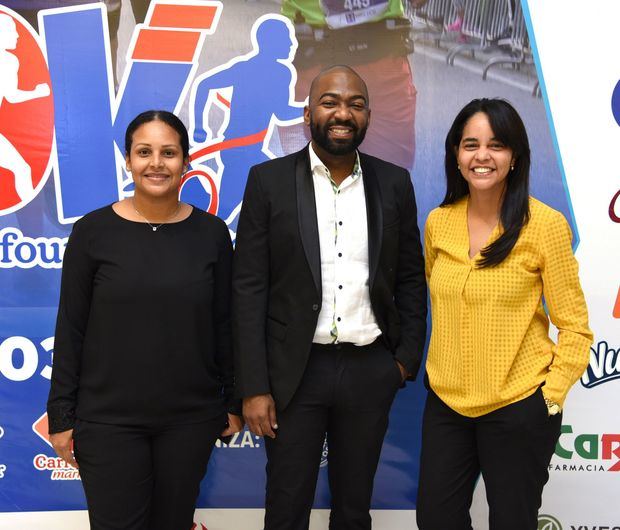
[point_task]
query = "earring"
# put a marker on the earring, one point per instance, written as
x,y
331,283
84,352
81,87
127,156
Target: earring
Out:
x,y
512,167
458,167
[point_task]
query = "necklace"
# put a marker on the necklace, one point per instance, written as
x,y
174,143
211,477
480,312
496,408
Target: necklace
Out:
x,y
155,227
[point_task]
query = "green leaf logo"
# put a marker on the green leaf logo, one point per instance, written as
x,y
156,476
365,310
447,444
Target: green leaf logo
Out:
x,y
548,522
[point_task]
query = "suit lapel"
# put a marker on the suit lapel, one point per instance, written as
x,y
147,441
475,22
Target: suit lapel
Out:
x,y
306,213
374,213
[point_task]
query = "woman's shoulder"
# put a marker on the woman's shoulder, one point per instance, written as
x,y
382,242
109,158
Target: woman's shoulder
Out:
x,y
547,224
208,221
444,214
95,218
543,214
202,216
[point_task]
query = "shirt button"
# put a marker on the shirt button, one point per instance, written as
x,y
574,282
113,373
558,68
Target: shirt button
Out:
x,y
338,319
315,307
340,287
339,254
340,223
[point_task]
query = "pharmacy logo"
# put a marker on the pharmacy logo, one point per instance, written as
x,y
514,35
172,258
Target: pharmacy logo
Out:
x,y
587,452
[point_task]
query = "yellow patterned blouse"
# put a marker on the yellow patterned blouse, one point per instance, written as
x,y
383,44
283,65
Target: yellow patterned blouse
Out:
x,y
489,344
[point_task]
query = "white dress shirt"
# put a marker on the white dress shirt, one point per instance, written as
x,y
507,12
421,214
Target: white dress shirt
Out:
x,y
346,314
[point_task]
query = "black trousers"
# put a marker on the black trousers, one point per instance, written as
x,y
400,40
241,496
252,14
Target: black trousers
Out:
x,y
139,478
346,392
511,447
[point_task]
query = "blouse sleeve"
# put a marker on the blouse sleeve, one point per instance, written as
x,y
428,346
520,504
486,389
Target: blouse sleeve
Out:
x,y
567,309
221,317
73,311
429,252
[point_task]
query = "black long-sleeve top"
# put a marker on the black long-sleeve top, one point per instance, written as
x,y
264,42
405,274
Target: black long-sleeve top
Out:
x,y
143,329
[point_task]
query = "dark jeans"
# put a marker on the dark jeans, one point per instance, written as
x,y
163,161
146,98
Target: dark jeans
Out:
x,y
138,478
511,447
346,392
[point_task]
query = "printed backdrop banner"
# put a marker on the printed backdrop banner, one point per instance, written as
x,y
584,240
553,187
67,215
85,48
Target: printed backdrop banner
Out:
x,y
72,76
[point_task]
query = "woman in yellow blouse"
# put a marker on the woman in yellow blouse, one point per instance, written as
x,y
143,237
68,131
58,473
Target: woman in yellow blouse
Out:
x,y
497,381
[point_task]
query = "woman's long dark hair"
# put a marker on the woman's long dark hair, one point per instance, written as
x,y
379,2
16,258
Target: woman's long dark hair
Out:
x,y
508,128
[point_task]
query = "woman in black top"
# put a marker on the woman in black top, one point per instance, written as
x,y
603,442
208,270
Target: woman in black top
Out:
x,y
143,373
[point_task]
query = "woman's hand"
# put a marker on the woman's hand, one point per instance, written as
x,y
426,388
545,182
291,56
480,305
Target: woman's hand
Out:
x,y
403,372
62,444
235,424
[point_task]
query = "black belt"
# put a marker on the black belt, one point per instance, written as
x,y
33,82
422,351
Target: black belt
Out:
x,y
339,346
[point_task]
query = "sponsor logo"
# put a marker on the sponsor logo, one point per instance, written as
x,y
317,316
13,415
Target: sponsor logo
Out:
x,y
614,215
18,250
60,470
2,466
604,365
614,208
587,452
614,204
324,454
548,522
595,527
41,427
240,440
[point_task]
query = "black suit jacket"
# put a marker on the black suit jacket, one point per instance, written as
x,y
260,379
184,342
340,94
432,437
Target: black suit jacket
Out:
x,y
277,272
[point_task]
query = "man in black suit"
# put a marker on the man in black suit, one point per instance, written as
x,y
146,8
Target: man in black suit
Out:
x,y
329,307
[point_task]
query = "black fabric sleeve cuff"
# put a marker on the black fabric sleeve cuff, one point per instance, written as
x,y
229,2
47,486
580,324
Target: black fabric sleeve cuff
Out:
x,y
60,418
234,407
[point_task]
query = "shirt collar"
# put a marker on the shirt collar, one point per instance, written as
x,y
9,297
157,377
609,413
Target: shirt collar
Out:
x,y
316,165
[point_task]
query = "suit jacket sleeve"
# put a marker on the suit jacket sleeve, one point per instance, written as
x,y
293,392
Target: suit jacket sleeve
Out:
x,y
251,291
410,290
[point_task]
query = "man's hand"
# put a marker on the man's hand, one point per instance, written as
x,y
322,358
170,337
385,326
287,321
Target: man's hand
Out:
x,y
61,442
259,413
235,424
403,372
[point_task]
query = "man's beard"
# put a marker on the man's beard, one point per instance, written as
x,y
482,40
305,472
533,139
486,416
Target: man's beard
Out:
x,y
336,147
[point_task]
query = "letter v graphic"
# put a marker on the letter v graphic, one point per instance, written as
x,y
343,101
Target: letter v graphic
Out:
x,y
90,122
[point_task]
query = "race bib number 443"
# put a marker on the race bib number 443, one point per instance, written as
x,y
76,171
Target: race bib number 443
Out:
x,y
342,13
